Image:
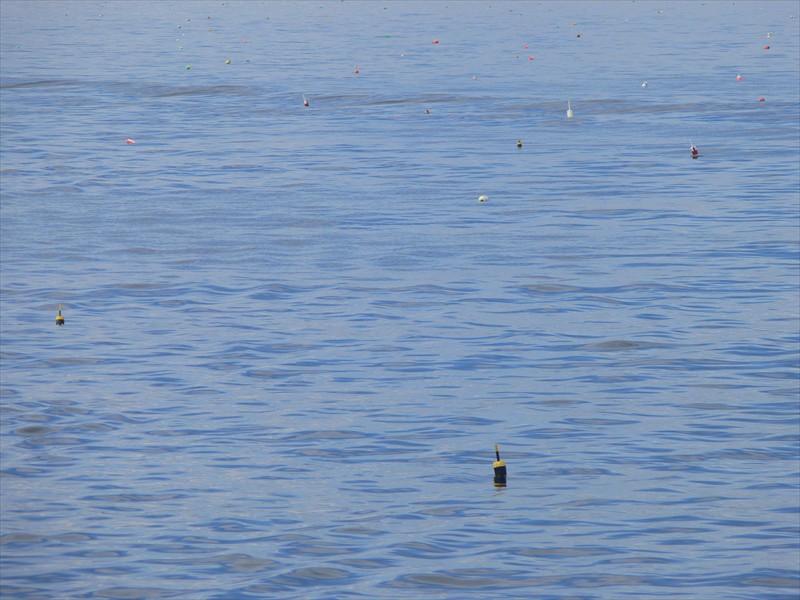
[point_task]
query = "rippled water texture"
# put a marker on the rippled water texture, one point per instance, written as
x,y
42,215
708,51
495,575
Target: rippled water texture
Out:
x,y
293,335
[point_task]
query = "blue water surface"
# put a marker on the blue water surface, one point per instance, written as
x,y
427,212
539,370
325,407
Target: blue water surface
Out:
x,y
294,335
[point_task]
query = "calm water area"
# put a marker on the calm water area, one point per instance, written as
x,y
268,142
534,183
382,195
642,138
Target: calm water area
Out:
x,y
293,334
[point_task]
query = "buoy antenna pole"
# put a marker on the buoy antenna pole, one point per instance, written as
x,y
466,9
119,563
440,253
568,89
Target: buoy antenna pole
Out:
x,y
497,451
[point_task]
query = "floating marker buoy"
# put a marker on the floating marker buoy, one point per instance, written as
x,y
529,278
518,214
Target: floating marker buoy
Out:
x,y
695,151
499,469
435,41
305,101
530,58
483,198
762,99
644,84
766,47
519,143
739,77
227,62
59,318
188,67
569,110
427,112
130,141
356,69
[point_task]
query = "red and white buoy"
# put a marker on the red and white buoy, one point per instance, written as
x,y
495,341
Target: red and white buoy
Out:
x,y
305,101
695,151
739,77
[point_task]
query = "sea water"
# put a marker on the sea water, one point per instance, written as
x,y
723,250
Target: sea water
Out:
x,y
293,335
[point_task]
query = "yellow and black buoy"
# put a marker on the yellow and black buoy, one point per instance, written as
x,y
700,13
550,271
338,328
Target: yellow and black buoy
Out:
x,y
59,318
519,143
499,469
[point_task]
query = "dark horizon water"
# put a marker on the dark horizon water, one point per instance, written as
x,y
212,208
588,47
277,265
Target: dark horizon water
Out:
x,y
294,335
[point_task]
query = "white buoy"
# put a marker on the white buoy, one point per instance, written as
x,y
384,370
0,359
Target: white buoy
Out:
x,y
644,84
569,110
483,198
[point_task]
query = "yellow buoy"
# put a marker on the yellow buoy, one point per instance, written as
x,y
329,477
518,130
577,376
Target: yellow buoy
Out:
x,y
59,318
519,143
499,469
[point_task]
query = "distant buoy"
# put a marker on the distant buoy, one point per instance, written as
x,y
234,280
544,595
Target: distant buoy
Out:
x,y
59,318
227,62
305,101
483,198
427,112
500,472
519,143
695,151
569,110
644,84
130,141
356,69
435,41
762,99
766,47
739,77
